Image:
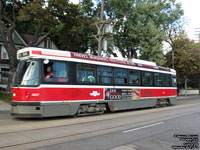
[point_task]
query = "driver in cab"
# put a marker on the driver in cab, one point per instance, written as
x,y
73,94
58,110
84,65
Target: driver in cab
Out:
x,y
49,72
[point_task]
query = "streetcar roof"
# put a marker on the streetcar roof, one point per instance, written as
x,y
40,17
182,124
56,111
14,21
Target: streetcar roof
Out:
x,y
33,52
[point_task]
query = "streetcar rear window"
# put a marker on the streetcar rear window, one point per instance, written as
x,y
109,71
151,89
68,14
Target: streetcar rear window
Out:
x,y
134,77
86,73
121,76
147,78
105,75
56,72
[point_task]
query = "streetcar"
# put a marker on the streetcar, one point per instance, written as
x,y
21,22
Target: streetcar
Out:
x,y
51,83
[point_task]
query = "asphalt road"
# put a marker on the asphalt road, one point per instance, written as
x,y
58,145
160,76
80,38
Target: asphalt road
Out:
x,y
145,129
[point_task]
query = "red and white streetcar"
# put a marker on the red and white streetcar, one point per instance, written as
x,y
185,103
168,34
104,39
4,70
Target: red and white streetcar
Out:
x,y
61,83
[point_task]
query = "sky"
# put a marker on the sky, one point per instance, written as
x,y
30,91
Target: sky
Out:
x,y
191,15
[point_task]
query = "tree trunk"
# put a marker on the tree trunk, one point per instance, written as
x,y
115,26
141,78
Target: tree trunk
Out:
x,y
13,65
36,35
10,79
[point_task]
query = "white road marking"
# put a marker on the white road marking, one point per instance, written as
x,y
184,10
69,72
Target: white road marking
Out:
x,y
142,127
124,147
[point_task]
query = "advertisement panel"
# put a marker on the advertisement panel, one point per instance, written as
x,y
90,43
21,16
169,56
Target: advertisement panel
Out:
x,y
122,94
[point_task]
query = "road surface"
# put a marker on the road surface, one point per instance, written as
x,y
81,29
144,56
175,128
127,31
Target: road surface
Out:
x,y
162,128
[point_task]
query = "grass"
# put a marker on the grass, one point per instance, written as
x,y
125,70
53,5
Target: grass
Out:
x,y
6,97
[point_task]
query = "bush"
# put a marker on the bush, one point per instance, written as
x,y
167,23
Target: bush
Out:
x,y
6,97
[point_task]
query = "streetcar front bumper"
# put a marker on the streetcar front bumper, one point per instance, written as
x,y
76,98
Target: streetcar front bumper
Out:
x,y
26,109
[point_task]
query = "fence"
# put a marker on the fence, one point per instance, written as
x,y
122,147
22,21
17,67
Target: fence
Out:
x,y
189,92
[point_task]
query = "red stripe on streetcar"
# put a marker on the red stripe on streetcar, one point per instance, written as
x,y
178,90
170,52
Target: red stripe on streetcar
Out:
x,y
74,94
58,94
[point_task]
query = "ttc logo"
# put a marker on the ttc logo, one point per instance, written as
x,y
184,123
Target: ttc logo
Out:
x,y
94,93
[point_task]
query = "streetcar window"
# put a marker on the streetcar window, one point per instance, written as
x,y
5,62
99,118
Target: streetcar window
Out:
x,y
157,79
121,76
86,73
105,75
56,72
147,78
166,80
27,73
173,80
134,77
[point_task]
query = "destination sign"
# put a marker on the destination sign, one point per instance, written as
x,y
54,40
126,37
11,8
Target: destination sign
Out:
x,y
24,54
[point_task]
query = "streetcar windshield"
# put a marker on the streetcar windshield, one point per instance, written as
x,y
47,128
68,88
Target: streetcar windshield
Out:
x,y
27,73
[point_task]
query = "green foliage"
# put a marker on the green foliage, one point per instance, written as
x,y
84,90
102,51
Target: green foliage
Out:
x,y
186,60
69,25
75,31
72,26
145,28
39,13
6,97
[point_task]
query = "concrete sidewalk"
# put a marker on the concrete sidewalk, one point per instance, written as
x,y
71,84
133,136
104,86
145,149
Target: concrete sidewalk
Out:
x,y
4,106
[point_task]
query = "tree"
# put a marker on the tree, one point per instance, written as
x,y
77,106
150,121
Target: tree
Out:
x,y
42,15
76,29
145,26
7,27
186,60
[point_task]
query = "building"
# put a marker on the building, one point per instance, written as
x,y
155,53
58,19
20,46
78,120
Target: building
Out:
x,y
21,41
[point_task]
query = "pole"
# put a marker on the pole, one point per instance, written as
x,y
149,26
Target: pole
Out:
x,y
185,85
100,29
173,58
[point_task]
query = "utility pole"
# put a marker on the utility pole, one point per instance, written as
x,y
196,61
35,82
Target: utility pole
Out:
x,y
172,58
185,84
100,29
101,33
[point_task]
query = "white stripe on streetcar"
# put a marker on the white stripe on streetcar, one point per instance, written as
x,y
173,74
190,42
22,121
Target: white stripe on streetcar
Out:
x,y
147,126
93,86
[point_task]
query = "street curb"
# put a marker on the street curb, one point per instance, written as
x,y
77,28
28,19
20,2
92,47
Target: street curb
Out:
x,y
186,97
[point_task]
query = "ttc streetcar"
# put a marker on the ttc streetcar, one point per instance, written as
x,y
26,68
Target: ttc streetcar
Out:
x,y
61,83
